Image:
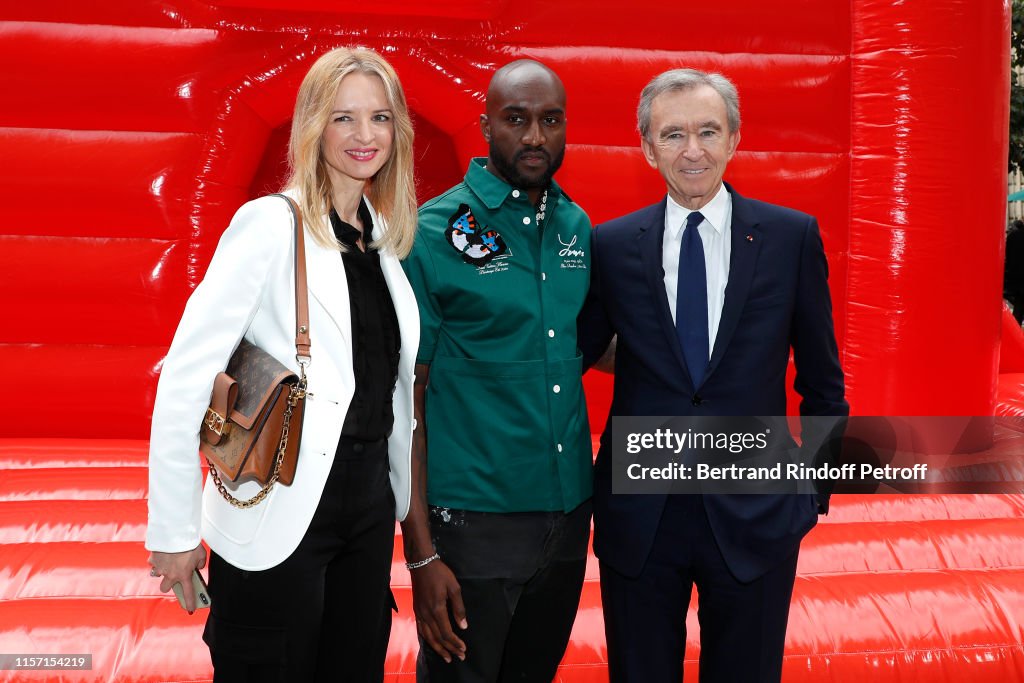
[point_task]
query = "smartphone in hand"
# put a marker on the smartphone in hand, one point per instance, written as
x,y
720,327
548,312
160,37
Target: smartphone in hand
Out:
x,y
198,588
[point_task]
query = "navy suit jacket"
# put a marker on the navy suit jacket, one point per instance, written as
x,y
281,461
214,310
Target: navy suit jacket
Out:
x,y
777,299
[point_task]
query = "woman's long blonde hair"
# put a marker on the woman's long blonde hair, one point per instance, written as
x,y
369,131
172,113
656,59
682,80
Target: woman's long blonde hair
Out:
x,y
392,191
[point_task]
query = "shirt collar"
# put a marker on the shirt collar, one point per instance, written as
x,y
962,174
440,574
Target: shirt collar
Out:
x,y
714,212
348,234
493,191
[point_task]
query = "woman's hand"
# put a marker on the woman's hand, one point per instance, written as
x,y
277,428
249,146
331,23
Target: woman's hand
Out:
x,y
177,568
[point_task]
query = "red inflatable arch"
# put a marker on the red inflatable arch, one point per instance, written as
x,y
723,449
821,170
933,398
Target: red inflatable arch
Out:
x,y
131,130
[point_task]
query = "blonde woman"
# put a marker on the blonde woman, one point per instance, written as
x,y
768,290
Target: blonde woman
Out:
x,y
300,582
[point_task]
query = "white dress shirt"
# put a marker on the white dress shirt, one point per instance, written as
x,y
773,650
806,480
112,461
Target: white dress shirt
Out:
x,y
716,234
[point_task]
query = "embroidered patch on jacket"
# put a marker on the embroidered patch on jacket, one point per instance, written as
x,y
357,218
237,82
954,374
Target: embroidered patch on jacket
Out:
x,y
478,245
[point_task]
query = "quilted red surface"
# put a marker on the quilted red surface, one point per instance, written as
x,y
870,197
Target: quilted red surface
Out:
x,y
130,130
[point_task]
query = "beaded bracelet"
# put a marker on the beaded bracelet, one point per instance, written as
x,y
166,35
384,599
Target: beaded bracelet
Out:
x,y
422,563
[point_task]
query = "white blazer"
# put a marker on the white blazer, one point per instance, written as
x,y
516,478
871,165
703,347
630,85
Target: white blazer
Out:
x,y
249,291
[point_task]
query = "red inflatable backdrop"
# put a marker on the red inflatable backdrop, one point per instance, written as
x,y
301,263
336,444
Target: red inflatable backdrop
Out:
x,y
131,130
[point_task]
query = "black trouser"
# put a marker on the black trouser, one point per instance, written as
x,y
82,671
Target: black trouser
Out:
x,y
324,614
742,625
521,575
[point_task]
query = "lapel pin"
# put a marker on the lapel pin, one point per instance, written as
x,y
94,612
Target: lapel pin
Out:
x,y
750,238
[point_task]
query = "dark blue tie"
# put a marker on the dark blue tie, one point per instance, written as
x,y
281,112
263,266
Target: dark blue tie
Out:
x,y
692,300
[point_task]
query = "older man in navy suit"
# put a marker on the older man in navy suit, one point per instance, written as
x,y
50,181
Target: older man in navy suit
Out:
x,y
707,292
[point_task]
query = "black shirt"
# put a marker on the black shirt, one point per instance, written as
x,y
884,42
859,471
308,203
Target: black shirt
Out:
x,y
375,335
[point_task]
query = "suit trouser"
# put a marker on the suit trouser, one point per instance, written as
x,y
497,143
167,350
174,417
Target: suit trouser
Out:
x,y
324,614
521,575
742,625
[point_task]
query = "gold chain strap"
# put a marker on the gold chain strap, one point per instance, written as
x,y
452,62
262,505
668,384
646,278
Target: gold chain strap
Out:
x,y
295,394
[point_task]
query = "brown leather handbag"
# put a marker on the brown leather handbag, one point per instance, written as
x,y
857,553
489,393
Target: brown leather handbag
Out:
x,y
253,426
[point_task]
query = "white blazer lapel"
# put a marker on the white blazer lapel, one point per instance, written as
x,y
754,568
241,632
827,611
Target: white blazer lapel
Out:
x,y
401,295
405,305
325,273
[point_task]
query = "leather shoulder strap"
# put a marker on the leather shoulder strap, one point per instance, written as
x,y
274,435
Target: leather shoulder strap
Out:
x,y
302,343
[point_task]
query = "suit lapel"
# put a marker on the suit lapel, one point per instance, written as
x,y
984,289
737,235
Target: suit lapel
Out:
x,y
402,296
650,238
328,285
742,263
405,306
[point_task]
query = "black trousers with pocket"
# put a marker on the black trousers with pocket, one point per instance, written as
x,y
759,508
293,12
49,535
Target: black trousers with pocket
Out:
x,y
521,575
324,614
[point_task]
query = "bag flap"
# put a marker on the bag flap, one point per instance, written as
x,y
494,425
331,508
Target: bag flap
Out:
x,y
257,374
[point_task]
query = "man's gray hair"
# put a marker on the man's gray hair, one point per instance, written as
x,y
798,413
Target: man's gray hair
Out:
x,y
687,79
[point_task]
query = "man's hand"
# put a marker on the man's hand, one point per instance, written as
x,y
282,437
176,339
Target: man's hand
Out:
x,y
177,568
434,588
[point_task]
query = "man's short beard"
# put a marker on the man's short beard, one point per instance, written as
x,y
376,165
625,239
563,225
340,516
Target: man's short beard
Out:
x,y
507,168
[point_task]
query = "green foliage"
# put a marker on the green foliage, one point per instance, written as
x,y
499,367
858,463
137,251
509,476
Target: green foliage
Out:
x,y
1016,160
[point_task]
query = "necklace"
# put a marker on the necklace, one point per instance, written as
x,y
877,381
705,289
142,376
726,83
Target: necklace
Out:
x,y
542,207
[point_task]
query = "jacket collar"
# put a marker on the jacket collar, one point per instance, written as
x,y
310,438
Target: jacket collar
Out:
x,y
328,284
402,295
650,234
746,245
